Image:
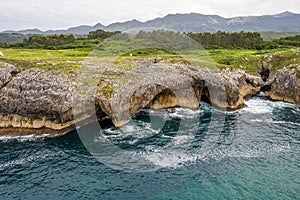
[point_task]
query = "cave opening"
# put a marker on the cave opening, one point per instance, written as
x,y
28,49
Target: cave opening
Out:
x,y
205,96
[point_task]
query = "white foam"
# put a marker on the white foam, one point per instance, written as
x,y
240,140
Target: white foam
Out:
x,y
178,152
271,121
168,159
132,131
27,137
256,120
182,139
185,113
22,161
257,106
286,122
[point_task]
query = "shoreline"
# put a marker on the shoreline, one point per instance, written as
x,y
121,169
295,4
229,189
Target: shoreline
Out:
x,y
36,102
30,132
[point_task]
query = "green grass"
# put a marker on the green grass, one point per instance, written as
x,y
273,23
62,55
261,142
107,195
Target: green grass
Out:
x,y
62,61
251,60
45,55
71,59
248,60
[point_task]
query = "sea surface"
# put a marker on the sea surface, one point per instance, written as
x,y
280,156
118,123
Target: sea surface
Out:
x,y
253,153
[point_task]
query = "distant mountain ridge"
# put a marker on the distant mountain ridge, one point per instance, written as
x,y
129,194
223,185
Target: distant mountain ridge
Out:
x,y
193,22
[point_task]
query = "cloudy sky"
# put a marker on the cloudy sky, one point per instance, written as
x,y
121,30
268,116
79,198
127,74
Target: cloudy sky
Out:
x,y
56,14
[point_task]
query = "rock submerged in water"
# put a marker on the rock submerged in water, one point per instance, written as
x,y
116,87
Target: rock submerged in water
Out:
x,y
38,102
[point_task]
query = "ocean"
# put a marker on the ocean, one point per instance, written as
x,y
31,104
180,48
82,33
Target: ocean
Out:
x,y
252,153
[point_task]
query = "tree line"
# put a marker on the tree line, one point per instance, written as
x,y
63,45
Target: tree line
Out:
x,y
48,41
246,40
289,41
226,40
166,39
102,34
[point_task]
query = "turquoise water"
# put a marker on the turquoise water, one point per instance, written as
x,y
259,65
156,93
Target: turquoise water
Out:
x,y
253,153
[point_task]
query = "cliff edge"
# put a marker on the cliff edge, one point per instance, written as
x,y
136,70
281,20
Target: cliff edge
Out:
x,y
35,101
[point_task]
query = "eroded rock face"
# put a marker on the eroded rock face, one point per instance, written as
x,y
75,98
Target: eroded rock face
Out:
x,y
34,99
249,85
6,73
161,86
156,86
37,102
285,86
36,94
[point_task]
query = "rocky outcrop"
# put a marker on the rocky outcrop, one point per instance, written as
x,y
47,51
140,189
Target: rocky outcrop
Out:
x,y
285,86
6,73
34,101
249,85
38,102
161,86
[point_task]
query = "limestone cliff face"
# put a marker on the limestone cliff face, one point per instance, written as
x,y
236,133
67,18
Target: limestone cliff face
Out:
x,y
157,87
285,86
37,102
162,86
34,99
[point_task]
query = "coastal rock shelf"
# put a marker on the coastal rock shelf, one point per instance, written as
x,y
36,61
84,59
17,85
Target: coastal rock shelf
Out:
x,y
36,101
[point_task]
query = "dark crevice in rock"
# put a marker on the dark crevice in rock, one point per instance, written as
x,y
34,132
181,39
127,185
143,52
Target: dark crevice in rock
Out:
x,y
13,74
266,88
106,122
265,73
249,82
205,97
5,84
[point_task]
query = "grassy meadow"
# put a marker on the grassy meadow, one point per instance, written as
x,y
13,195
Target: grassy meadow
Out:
x,y
67,59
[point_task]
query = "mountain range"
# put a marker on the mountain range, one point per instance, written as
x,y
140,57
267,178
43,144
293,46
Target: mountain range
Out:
x,y
193,22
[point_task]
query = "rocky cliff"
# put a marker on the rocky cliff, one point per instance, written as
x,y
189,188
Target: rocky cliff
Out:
x,y
38,102
285,86
33,102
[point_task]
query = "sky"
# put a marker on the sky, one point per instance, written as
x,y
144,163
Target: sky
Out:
x,y
62,14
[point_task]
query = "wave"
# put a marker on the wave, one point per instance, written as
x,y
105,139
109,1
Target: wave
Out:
x,y
167,159
183,147
263,106
174,148
26,138
22,161
271,121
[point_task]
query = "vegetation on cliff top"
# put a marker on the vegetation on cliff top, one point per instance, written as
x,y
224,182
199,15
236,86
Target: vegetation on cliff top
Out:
x,y
248,60
65,53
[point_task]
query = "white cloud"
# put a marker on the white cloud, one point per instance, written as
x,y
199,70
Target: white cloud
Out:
x,y
55,14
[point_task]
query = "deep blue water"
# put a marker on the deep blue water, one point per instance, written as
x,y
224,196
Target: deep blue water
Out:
x,y
253,153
